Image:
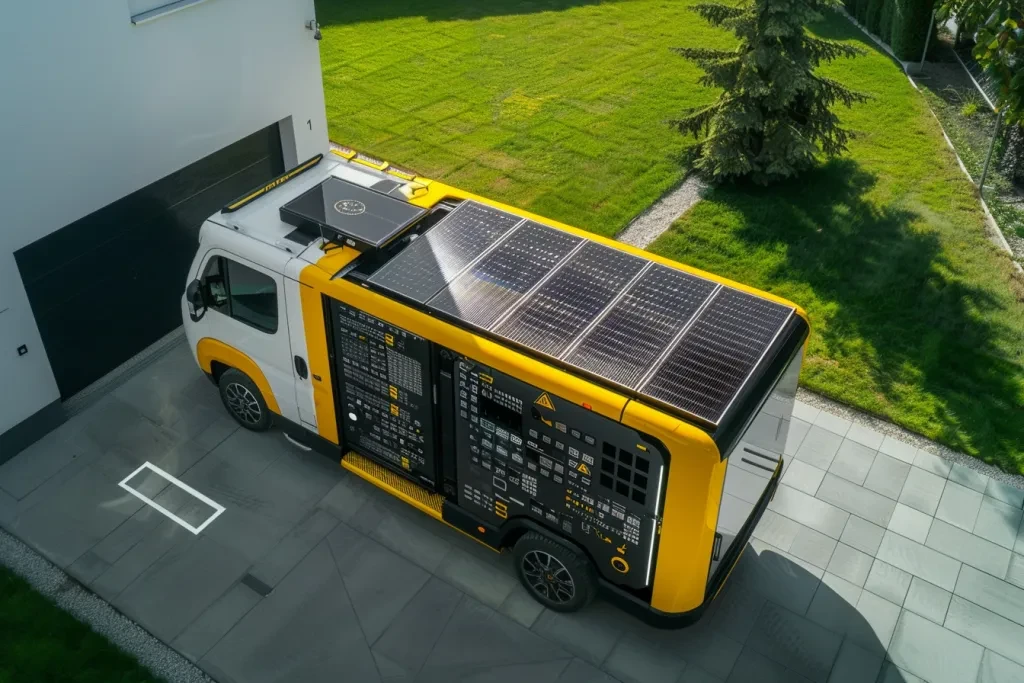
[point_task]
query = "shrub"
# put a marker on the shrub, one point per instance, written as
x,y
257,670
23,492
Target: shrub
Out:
x,y
874,15
911,23
885,21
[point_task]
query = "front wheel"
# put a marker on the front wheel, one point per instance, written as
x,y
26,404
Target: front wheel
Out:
x,y
244,401
554,575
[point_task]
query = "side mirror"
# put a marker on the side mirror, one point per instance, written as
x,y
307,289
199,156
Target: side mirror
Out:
x,y
196,301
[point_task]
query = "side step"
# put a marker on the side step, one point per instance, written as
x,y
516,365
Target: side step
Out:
x,y
396,485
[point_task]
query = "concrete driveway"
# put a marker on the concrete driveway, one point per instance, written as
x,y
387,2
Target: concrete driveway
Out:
x,y
877,562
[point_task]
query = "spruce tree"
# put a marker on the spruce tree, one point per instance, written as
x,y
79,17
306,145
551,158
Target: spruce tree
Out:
x,y
775,114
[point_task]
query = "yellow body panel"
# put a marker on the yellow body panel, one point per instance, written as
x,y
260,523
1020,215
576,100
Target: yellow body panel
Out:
x,y
209,350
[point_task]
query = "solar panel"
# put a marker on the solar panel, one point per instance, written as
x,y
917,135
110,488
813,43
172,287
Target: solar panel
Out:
x,y
717,353
636,330
440,254
564,305
500,279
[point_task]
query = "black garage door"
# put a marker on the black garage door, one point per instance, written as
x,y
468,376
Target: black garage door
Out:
x,y
109,284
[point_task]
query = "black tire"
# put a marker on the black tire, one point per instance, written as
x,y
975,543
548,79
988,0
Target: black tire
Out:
x,y
244,401
557,577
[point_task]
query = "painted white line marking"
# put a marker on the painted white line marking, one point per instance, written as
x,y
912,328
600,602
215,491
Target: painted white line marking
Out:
x,y
180,484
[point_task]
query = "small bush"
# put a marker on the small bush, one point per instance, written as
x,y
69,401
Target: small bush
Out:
x,y
911,23
969,109
862,11
885,21
874,16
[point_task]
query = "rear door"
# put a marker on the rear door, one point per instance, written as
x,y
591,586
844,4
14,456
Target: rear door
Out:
x,y
302,380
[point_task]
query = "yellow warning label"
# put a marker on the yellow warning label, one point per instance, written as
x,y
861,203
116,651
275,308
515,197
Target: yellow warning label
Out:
x,y
544,401
394,410
393,391
584,469
405,463
487,379
390,339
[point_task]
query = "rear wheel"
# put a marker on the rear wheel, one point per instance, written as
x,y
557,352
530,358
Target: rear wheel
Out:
x,y
557,577
244,401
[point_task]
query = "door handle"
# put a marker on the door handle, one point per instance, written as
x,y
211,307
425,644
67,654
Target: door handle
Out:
x,y
300,367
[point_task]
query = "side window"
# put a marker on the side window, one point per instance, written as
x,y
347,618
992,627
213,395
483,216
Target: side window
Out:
x,y
241,292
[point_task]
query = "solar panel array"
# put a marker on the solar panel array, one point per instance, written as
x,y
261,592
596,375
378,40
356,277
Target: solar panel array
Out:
x,y
677,338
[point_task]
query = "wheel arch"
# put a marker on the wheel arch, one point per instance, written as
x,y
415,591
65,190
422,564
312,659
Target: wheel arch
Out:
x,y
215,357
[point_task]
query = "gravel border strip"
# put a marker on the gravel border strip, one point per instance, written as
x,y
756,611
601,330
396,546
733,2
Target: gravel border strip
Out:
x,y
96,613
646,227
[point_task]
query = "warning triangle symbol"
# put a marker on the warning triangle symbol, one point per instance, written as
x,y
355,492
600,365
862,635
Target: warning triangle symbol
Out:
x,y
544,401
584,469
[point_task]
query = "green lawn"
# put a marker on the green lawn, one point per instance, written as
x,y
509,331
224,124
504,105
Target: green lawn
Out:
x,y
41,643
559,106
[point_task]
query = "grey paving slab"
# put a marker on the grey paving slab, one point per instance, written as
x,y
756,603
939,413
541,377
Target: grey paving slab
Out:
x,y
865,436
87,567
753,667
777,530
805,411
968,548
1005,493
139,558
1015,574
744,485
693,674
411,636
1018,546
906,521
855,665
789,581
998,669
972,479
932,463
803,476
540,672
590,636
41,461
998,522
873,630
735,610
919,560
982,626
520,607
8,508
833,423
214,623
991,593
889,582
887,476
932,652
855,499
853,462
897,449
293,547
795,642
347,497
922,491
636,660
959,506
176,589
819,447
812,546
862,535
809,511
305,630
927,600
850,564
797,432
835,604
891,673
475,577
579,671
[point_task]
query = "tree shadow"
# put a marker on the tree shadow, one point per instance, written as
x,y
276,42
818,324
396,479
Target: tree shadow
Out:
x,y
337,12
881,290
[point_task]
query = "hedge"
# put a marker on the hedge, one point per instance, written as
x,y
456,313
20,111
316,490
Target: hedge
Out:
x,y
874,15
862,12
885,21
911,23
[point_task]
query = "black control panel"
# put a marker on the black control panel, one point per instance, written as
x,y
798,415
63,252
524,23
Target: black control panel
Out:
x,y
523,452
386,390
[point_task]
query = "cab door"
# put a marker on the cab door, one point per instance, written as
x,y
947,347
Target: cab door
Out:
x,y
303,382
247,311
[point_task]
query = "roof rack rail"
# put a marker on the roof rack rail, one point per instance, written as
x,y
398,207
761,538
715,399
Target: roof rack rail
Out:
x,y
279,180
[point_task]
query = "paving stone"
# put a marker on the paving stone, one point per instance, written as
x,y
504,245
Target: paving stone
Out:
x,y
887,476
855,664
789,580
991,593
853,462
856,499
590,635
411,636
795,642
998,669
813,546
922,491
906,521
809,511
699,645
932,463
919,560
889,582
753,667
982,626
1005,493
865,436
803,476
694,674
87,567
475,577
1015,574
139,558
635,660
997,522
899,450
735,610
873,630
579,671
520,607
850,564
927,600
862,535
833,423
819,447
1018,546
804,411
965,476
797,431
835,603
295,545
777,530
968,548
959,506
893,674
414,536
214,623
932,652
